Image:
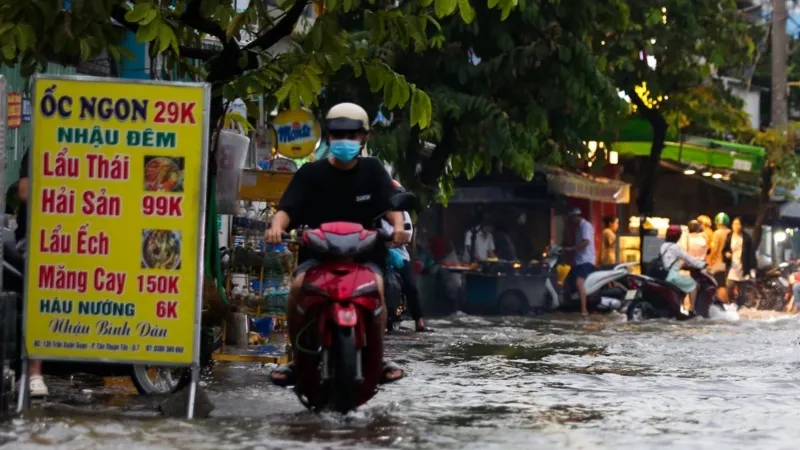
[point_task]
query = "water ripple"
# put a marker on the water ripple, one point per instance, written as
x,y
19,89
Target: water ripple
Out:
x,y
494,383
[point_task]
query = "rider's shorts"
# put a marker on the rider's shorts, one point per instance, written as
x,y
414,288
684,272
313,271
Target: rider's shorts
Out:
x,y
582,270
683,282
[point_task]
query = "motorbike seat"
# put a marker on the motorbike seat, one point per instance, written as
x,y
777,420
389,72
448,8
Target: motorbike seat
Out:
x,y
598,273
669,285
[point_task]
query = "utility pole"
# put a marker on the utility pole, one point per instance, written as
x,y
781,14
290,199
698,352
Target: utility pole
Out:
x,y
780,56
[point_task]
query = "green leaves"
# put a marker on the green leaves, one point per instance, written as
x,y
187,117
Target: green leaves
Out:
x,y
301,86
25,37
466,11
421,109
235,25
148,32
140,12
445,7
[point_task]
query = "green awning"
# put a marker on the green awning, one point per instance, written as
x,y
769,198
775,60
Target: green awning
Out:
x,y
702,152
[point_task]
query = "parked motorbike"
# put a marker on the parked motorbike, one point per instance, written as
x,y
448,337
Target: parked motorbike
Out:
x,y
339,359
786,281
605,289
149,380
655,299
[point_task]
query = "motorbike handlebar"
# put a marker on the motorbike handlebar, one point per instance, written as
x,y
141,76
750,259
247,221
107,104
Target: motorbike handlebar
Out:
x,y
295,236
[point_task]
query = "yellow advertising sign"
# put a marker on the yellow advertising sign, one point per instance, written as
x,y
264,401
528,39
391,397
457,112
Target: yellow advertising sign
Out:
x,y
297,133
116,207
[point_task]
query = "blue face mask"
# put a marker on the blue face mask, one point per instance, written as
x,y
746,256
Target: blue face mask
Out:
x,y
345,150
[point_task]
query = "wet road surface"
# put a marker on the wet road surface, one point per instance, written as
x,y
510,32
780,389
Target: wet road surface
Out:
x,y
500,383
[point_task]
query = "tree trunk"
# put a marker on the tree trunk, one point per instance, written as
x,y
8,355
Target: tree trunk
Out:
x,y
432,168
646,181
763,202
780,50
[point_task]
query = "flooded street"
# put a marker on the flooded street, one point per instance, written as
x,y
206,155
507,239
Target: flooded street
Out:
x,y
502,383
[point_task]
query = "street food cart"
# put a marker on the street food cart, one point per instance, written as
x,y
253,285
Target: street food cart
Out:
x,y
498,287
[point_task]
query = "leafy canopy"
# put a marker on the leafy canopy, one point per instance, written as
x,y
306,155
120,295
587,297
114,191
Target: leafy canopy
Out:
x,y
242,52
514,86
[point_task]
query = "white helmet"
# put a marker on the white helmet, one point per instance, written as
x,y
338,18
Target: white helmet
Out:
x,y
347,117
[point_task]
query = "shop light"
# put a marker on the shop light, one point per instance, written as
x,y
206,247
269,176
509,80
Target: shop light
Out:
x,y
706,174
613,157
716,176
689,172
592,146
780,236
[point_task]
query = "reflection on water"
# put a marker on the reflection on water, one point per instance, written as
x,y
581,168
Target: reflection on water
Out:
x,y
504,383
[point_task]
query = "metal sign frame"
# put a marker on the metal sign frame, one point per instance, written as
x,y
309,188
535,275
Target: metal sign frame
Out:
x,y
4,321
23,400
3,156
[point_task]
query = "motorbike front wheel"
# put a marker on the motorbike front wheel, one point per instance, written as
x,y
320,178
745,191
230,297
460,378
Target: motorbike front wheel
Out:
x,y
153,380
344,383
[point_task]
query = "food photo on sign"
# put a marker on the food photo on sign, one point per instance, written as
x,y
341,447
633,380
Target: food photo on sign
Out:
x,y
163,174
161,249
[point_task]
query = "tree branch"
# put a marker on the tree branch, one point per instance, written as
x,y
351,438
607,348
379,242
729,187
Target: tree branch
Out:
x,y
193,17
197,53
281,29
118,14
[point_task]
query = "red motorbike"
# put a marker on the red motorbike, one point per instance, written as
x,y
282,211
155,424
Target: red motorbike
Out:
x,y
339,351
656,299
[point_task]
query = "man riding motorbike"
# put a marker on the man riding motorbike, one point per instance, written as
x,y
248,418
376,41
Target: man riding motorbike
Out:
x,y
344,187
403,268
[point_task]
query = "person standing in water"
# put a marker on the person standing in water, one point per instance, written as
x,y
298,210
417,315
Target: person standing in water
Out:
x,y
608,247
738,255
715,257
708,230
584,254
698,245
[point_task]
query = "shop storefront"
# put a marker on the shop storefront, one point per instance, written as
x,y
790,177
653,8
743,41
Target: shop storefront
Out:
x,y
597,197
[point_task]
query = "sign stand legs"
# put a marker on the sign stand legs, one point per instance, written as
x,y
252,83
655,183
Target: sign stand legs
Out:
x,y
24,392
192,391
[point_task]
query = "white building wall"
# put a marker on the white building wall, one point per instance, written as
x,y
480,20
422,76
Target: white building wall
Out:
x,y
752,104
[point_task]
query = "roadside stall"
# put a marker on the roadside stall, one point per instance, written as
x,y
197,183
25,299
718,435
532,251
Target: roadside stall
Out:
x,y
502,286
258,275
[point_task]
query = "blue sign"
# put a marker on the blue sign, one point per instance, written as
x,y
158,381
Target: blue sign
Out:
x,y
26,110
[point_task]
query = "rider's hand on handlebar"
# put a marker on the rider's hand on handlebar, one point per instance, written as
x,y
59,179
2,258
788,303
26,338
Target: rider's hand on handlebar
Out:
x,y
400,237
273,235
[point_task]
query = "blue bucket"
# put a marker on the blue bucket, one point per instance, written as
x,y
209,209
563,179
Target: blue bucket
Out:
x,y
264,326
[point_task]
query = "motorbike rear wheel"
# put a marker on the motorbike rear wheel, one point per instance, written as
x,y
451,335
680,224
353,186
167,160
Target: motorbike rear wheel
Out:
x,y
640,310
751,296
344,383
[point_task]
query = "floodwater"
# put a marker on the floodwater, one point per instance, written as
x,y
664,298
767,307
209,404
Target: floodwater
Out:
x,y
499,383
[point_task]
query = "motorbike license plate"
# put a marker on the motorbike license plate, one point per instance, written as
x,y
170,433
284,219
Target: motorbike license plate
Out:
x,y
631,294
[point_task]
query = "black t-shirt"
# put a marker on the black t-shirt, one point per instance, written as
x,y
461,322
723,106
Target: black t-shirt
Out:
x,y
320,193
22,211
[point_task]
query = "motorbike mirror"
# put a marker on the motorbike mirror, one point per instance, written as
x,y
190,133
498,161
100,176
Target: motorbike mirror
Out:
x,y
404,201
